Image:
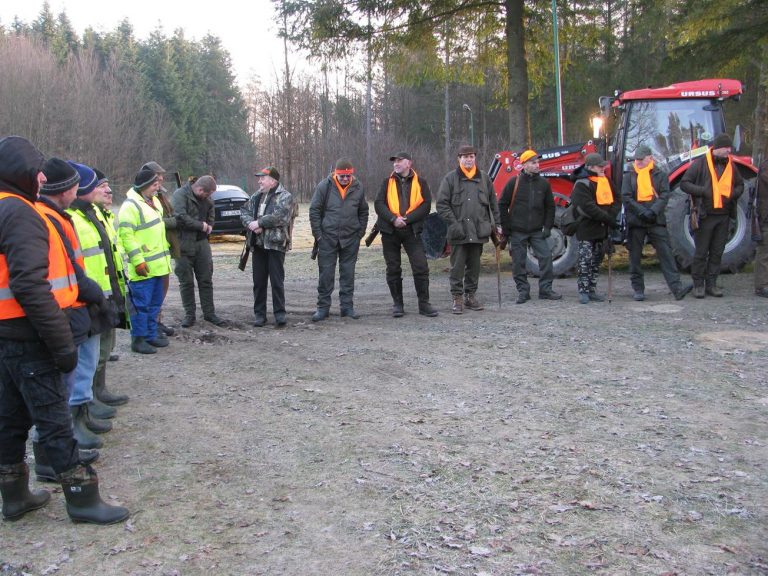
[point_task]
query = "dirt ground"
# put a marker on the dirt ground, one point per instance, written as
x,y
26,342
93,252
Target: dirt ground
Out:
x,y
549,438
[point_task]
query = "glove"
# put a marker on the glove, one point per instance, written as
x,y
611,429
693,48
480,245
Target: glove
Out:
x,y
648,215
66,362
109,313
142,269
546,232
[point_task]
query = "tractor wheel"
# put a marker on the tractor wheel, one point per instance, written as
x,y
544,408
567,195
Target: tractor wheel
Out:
x,y
739,250
565,249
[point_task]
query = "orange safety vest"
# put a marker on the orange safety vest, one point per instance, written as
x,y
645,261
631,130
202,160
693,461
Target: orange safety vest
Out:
x,y
393,198
722,186
61,273
69,232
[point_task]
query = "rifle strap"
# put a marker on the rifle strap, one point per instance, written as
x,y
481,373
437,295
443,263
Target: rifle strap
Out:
x,y
514,192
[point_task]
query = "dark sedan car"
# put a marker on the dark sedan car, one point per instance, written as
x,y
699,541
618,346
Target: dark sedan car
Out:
x,y
227,201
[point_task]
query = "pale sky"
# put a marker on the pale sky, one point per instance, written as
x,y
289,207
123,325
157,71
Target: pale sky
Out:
x,y
247,29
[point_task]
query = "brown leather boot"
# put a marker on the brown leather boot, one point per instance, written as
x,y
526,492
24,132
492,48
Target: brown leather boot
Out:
x,y
458,305
471,302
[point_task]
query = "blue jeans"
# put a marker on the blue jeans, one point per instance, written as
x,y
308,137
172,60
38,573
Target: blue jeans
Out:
x,y
80,380
32,391
145,299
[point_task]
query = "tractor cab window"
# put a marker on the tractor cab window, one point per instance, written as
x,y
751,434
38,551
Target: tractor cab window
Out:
x,y
672,128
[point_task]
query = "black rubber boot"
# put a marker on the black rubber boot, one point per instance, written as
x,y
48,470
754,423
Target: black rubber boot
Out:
x,y
43,469
422,293
101,393
14,486
85,438
139,344
84,504
98,409
396,290
96,424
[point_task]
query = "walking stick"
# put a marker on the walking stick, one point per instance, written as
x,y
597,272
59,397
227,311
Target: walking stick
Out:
x,y
610,279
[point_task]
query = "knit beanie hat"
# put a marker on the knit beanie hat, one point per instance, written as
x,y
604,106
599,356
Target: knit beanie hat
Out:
x,y
100,177
722,140
144,178
61,177
642,151
88,180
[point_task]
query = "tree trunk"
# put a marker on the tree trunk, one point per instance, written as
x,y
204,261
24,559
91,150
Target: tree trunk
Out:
x,y
760,140
517,74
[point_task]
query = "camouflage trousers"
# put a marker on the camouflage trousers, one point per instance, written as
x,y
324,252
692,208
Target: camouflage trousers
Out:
x,y
590,257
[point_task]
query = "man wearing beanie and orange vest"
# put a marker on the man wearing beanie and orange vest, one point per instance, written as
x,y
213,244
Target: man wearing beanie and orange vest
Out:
x,y
467,204
402,204
715,184
37,287
142,235
92,314
527,209
645,193
338,214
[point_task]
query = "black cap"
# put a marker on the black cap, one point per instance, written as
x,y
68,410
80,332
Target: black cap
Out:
x,y
399,156
144,178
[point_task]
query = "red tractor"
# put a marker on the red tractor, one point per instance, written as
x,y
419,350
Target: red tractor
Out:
x,y
677,122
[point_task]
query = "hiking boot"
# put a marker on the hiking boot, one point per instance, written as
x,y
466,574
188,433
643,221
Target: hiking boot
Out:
x,y
215,320
595,297
471,302
167,330
523,297
43,469
683,292
712,290
320,315
698,290
397,310
458,305
114,357
584,298
550,295
638,296
140,346
426,309
188,321
17,498
84,504
349,313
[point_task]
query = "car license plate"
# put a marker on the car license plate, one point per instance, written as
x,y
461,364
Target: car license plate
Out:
x,y
230,212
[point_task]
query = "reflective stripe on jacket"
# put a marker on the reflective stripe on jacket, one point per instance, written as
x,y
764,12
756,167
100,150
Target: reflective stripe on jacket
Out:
x,y
142,233
93,253
61,273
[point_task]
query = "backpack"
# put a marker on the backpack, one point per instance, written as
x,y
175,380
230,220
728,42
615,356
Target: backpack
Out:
x,y
570,220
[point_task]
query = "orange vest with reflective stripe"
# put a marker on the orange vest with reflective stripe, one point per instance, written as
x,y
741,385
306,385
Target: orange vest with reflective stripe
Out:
x,y
61,273
721,187
69,232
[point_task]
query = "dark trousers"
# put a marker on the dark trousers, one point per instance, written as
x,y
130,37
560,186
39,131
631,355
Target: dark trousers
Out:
x,y
268,265
391,245
328,253
196,263
465,268
710,240
659,239
32,391
591,253
518,249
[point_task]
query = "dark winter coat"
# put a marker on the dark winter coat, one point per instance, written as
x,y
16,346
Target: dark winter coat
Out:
x,y
533,208
698,183
596,220
191,212
24,243
464,205
633,208
339,221
416,218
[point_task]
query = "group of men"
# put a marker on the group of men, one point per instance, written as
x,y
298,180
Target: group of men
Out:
x,y
523,216
71,273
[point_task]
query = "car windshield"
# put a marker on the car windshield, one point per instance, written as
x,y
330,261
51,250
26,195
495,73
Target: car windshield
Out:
x,y
672,128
